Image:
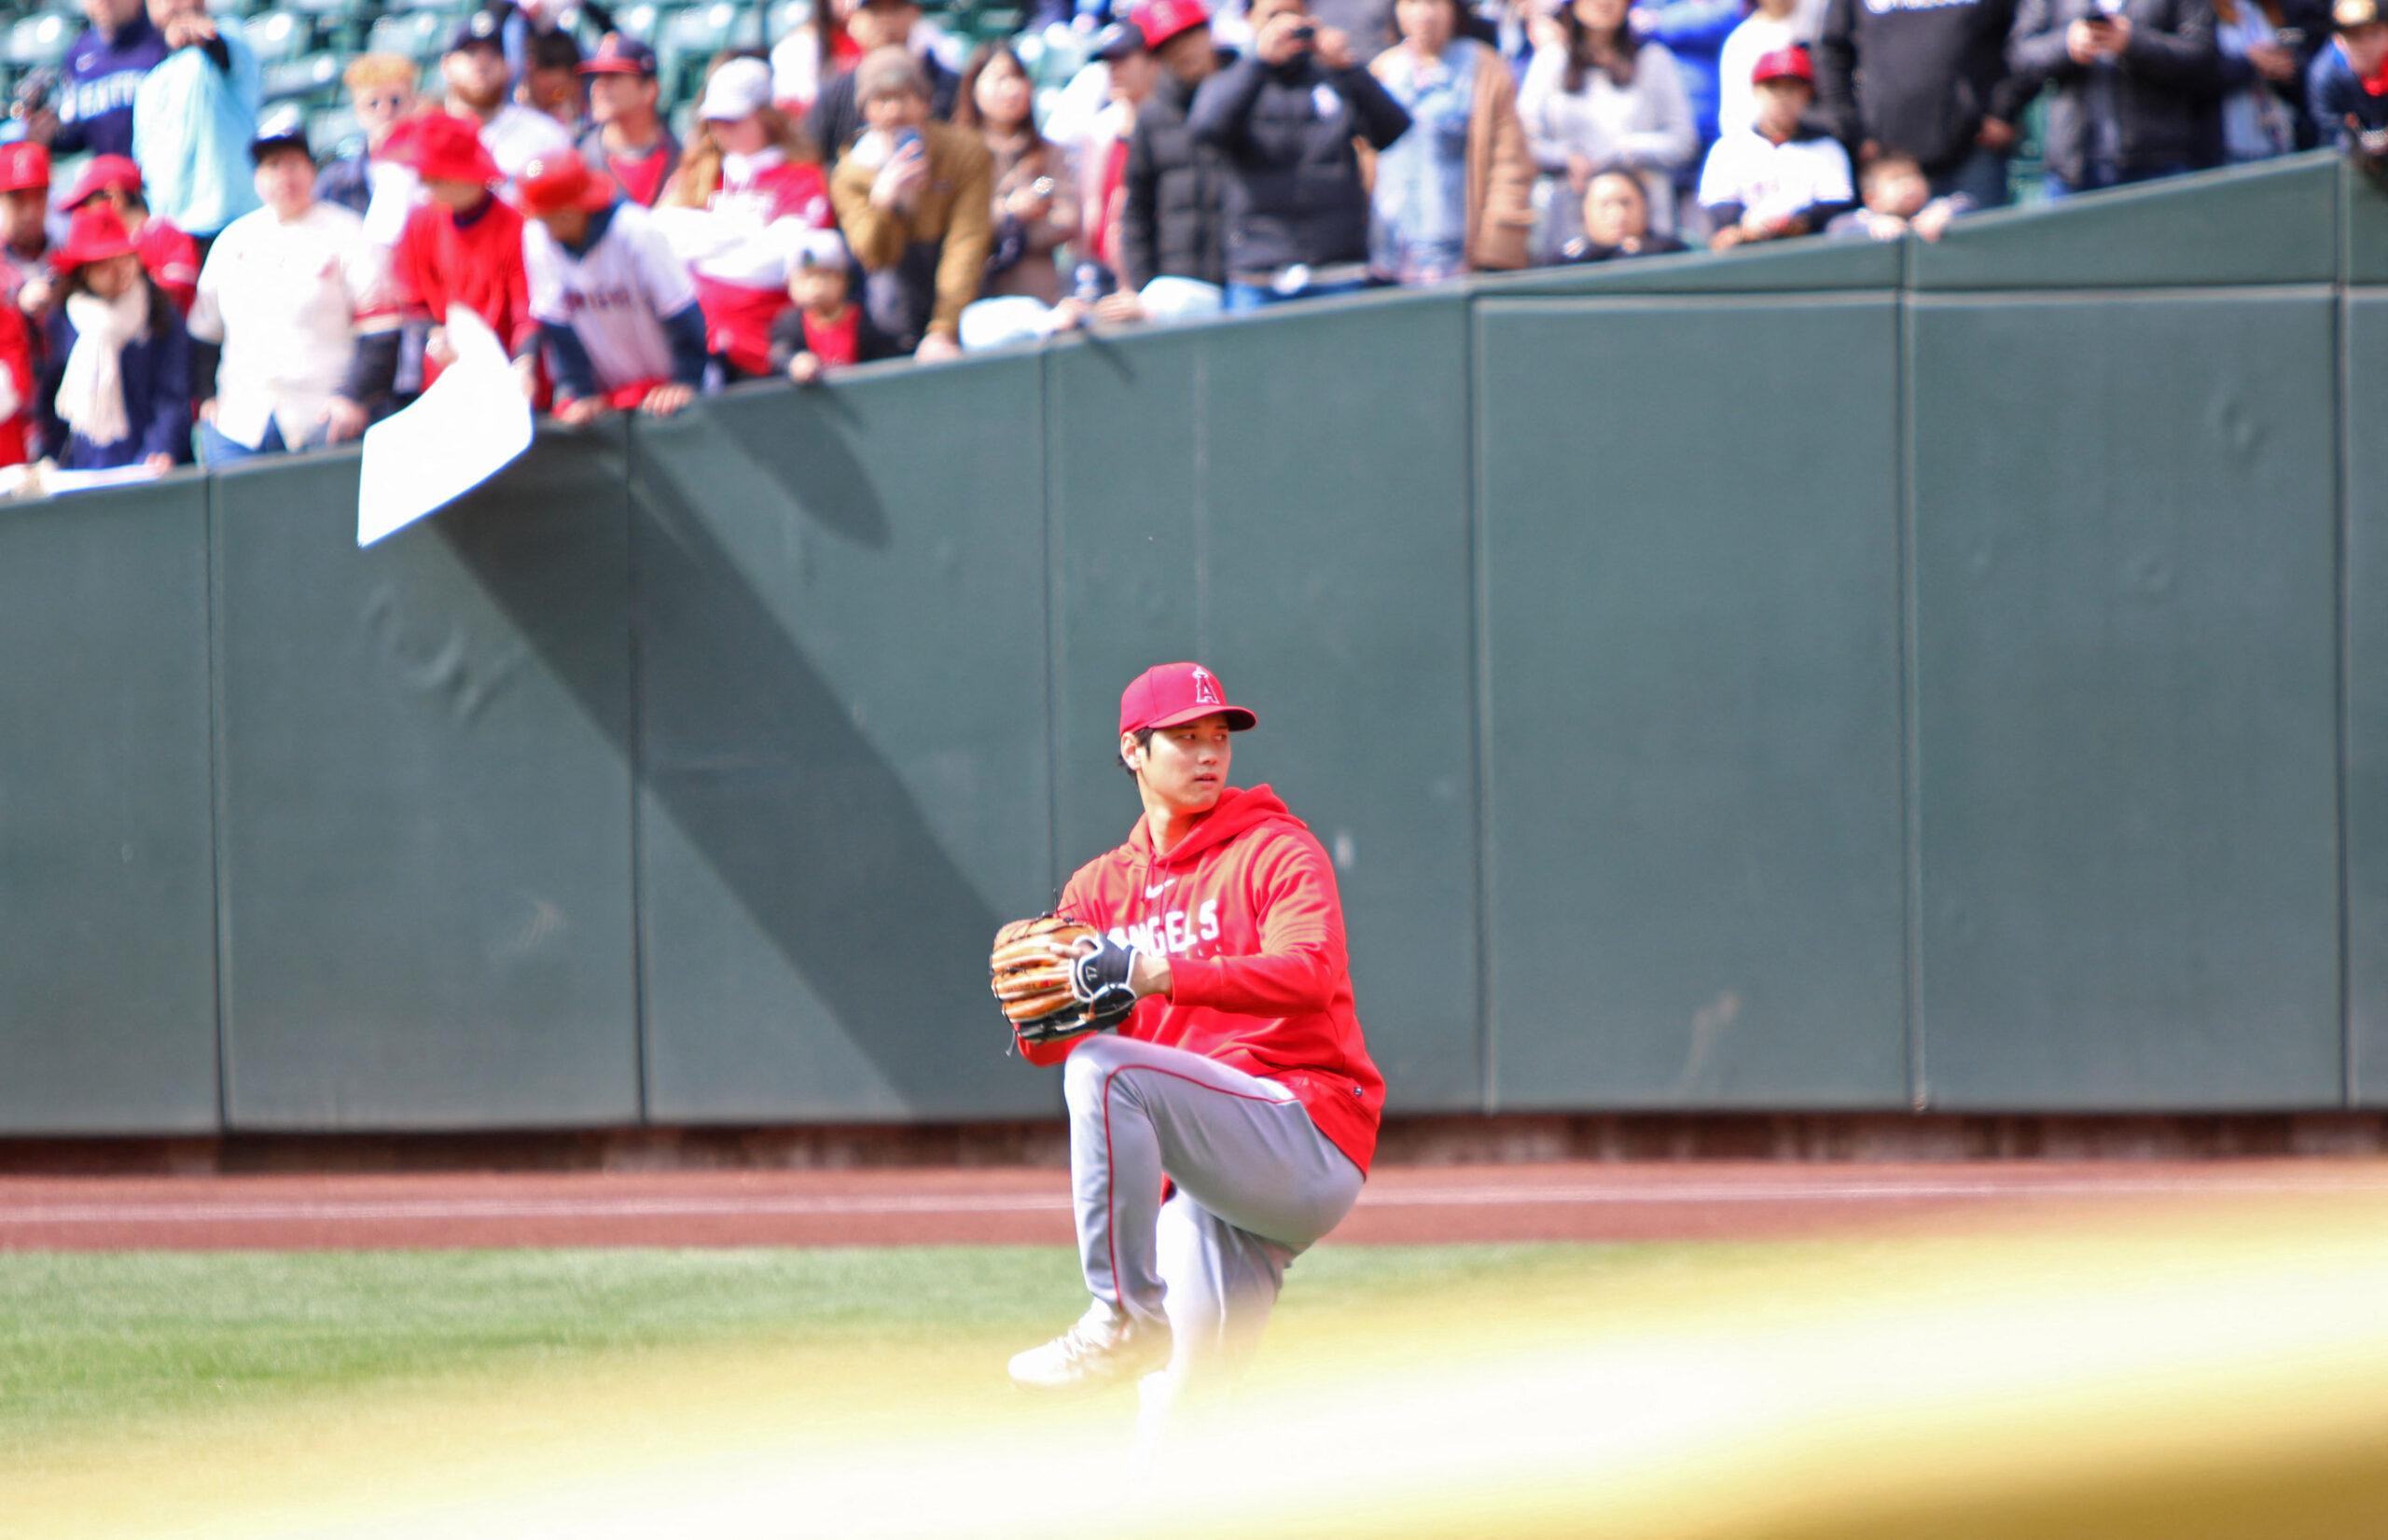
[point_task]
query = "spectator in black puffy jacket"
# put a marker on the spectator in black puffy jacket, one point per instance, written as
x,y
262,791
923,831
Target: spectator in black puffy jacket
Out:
x,y
1285,117
1172,219
2135,83
1926,80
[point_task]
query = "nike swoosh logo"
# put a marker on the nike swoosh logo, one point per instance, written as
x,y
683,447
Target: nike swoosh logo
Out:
x,y
1158,888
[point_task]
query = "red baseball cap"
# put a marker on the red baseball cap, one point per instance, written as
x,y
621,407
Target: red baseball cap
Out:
x,y
553,183
106,173
1168,694
620,54
1161,20
1783,64
442,148
23,166
93,235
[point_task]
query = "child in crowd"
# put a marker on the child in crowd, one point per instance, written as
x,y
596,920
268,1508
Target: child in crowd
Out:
x,y
825,329
116,386
1770,24
170,257
1778,179
1616,222
616,308
1899,201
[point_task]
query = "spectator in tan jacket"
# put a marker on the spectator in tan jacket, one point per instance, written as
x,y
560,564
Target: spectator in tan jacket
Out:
x,y
915,197
1455,192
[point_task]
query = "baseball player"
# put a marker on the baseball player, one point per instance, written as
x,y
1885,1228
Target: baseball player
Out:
x,y
1240,1076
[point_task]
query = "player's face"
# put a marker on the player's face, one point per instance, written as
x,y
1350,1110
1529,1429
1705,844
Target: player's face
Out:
x,y
1185,766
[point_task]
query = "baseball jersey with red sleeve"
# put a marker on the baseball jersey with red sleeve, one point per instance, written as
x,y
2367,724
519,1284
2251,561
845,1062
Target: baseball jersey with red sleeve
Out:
x,y
615,296
475,261
1246,908
16,385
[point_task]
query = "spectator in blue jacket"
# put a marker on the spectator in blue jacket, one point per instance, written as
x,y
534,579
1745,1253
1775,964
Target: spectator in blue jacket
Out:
x,y
115,386
2338,89
104,67
192,121
1694,31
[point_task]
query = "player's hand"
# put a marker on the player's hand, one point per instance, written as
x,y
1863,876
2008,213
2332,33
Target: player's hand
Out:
x,y
2085,42
900,180
2118,35
580,410
1996,135
183,31
805,368
1277,43
1334,46
936,348
344,419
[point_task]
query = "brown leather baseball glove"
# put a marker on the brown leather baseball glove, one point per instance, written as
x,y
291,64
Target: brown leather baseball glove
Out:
x,y
1058,977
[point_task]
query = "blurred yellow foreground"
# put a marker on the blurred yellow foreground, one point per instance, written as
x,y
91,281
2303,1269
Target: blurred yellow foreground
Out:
x,y
2171,1374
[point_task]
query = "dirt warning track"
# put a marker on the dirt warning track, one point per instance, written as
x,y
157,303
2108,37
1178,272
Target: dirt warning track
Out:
x,y
1569,1201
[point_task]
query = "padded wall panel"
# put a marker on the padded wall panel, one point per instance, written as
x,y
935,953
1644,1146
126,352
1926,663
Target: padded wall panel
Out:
x,y
425,800
843,691
107,905
2125,599
1692,628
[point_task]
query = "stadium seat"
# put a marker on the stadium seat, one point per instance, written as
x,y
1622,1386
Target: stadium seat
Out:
x,y
300,80
41,39
276,38
785,16
334,130
417,35
639,20
688,41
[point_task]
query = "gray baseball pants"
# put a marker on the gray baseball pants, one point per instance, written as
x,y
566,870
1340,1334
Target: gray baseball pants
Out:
x,y
1257,1185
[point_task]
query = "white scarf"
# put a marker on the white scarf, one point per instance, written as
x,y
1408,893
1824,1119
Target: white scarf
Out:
x,y
90,394
739,171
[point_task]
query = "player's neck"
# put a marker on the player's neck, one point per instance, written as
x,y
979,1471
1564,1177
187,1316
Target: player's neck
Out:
x,y
1167,825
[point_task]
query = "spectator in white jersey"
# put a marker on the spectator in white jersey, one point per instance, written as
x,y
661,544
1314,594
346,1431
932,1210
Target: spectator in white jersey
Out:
x,y
285,297
617,314
1778,179
474,71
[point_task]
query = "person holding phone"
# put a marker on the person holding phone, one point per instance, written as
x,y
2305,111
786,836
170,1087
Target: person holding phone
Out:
x,y
915,199
1286,118
2135,84
2262,108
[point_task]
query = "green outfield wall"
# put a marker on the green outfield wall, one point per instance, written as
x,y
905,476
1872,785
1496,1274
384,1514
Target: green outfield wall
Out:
x,y
1844,677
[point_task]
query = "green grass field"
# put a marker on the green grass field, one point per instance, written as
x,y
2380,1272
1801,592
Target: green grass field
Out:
x,y
103,1346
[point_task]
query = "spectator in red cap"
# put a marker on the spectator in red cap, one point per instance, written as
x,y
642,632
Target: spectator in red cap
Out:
x,y
631,144
116,385
1456,192
1172,219
1035,199
616,309
462,244
290,312
1780,178
24,224
171,256
754,177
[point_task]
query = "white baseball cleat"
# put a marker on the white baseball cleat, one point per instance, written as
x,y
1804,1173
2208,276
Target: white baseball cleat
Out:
x,y
1106,1347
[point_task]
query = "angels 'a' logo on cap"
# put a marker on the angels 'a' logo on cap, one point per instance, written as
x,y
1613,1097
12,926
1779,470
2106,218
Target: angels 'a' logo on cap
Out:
x,y
1207,689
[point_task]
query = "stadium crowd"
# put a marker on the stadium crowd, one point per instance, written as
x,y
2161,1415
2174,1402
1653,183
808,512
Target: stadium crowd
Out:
x,y
212,282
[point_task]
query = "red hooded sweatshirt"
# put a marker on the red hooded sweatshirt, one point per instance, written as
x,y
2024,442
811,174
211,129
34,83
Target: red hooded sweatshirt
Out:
x,y
1245,906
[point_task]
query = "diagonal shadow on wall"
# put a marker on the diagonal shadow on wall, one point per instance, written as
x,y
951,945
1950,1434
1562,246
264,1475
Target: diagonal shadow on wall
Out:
x,y
750,751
